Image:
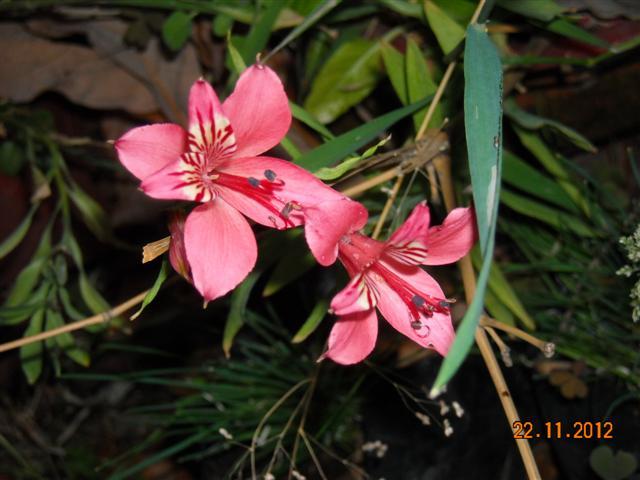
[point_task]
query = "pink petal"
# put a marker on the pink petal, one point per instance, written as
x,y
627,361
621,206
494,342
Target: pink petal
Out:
x,y
440,334
298,186
355,297
353,337
180,180
415,226
177,252
210,130
326,224
221,248
452,240
258,110
145,150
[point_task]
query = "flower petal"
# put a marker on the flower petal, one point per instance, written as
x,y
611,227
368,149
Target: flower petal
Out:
x,y
145,150
407,245
290,184
181,180
210,131
453,239
327,222
352,338
259,111
437,332
355,297
221,248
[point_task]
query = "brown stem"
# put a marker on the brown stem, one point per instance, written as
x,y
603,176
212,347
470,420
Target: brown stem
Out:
x,y
548,348
387,206
70,327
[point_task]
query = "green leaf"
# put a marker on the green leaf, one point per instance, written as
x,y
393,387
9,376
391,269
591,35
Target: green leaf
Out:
x,y
344,80
483,127
331,173
338,148
237,61
14,239
420,84
545,10
553,165
92,298
221,25
176,29
534,122
259,34
556,218
404,8
394,64
305,117
153,291
236,317
520,174
290,267
92,213
65,341
448,32
612,466
500,288
312,322
31,354
497,309
11,158
570,30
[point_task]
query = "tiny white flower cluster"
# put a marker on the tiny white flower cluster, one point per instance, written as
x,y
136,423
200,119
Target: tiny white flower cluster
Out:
x,y
424,418
225,433
448,429
378,448
458,409
632,245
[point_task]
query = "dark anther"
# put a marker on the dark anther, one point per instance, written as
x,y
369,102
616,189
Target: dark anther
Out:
x,y
417,300
286,210
444,304
254,182
416,325
270,175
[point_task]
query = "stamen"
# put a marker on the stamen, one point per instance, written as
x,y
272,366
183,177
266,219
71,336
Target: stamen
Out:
x,y
444,304
416,324
254,182
270,175
418,301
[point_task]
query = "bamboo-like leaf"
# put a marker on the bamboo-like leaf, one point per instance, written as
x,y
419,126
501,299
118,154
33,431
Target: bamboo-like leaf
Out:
x,y
305,117
448,32
290,267
14,239
338,148
312,322
420,84
332,173
92,213
153,291
545,10
483,127
31,354
394,64
570,30
261,30
235,319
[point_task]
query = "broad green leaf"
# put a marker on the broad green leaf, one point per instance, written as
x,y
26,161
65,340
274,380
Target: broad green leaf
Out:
x,y
237,61
235,319
331,173
344,80
545,10
448,32
420,84
92,213
570,30
531,121
483,128
310,19
404,8
394,64
338,148
176,29
14,239
497,309
499,286
552,163
295,263
523,176
312,322
551,216
153,291
31,354
260,31
305,117
459,10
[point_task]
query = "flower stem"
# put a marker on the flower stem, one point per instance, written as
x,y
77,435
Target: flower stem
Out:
x,y
387,206
70,327
548,348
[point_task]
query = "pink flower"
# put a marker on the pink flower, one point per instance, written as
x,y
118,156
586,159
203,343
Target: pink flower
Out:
x,y
216,163
387,276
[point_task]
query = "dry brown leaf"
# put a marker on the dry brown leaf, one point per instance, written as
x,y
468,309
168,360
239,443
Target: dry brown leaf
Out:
x,y
109,76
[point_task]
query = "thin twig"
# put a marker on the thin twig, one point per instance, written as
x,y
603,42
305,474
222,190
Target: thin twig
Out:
x,y
505,351
548,348
387,206
368,184
70,327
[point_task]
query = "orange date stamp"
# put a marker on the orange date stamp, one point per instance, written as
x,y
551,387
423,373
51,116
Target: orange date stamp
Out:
x,y
557,430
